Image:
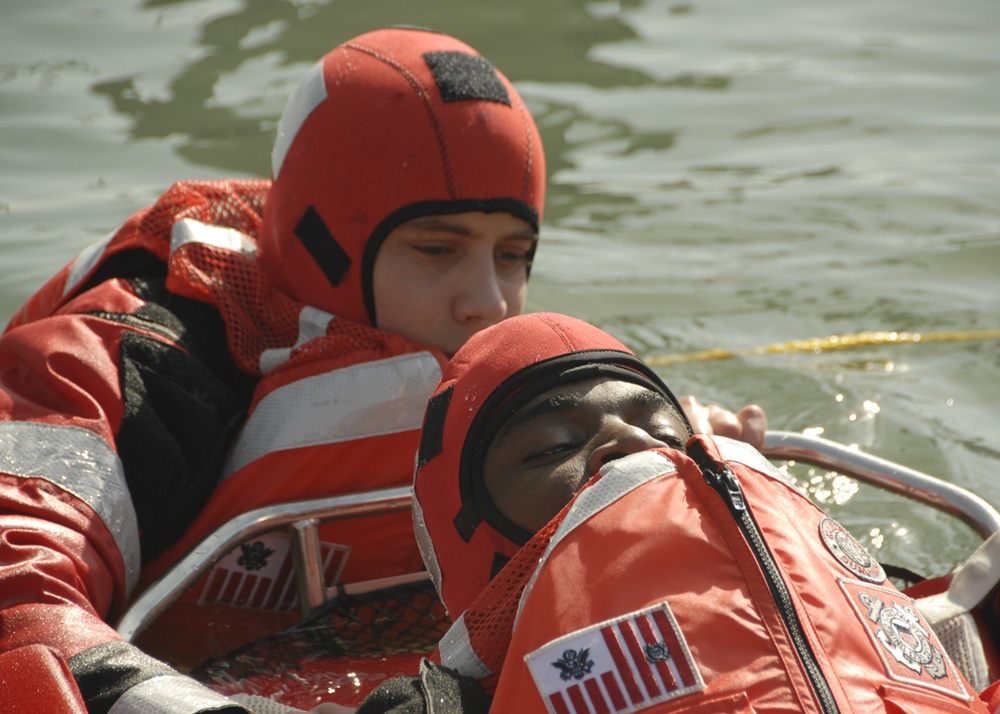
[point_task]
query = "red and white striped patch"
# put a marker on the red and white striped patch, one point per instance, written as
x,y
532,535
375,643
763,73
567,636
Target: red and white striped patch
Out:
x,y
623,665
260,574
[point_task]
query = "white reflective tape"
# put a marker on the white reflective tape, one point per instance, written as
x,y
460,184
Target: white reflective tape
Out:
x,y
80,462
262,705
457,652
169,694
88,258
742,453
364,400
313,323
618,478
426,545
972,581
188,230
308,95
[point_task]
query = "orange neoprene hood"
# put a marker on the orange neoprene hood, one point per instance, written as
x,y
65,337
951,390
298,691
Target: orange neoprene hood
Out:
x,y
392,125
463,537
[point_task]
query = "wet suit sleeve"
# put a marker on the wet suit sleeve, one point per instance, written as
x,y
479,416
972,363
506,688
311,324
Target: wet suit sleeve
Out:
x,y
113,418
435,690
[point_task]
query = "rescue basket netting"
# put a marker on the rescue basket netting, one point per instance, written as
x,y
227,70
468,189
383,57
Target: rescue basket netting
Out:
x,y
341,651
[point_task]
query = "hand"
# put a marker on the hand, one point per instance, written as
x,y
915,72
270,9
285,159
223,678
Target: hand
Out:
x,y
749,424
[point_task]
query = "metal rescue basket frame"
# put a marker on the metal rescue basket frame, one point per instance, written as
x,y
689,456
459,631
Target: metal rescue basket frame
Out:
x,y
301,519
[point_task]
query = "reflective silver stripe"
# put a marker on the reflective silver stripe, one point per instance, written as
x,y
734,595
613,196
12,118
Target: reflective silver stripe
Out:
x,y
972,580
80,462
426,544
457,652
188,230
742,453
618,478
88,258
370,399
306,96
169,694
263,705
313,322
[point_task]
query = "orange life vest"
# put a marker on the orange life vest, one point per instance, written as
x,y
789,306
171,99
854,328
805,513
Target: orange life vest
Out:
x,y
703,584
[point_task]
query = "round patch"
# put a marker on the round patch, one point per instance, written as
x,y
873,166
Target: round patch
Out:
x,y
849,552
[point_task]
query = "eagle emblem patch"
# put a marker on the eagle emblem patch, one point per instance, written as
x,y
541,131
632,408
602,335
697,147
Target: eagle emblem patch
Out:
x,y
621,665
849,553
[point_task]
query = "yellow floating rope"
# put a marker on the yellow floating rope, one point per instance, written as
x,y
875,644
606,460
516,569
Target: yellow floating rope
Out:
x,y
830,344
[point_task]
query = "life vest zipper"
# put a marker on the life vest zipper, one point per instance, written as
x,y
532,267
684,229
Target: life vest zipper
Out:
x,y
722,479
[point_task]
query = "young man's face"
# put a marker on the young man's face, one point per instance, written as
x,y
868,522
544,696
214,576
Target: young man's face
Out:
x,y
440,279
553,444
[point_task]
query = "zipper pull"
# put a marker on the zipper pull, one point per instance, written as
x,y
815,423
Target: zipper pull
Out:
x,y
720,477
725,482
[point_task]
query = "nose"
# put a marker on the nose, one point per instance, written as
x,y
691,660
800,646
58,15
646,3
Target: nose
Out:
x,y
480,301
616,440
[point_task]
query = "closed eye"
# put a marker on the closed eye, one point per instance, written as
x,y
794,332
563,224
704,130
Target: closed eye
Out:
x,y
432,249
515,256
670,438
553,450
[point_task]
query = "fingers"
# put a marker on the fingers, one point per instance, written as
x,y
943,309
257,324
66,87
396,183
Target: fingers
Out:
x,y
754,424
696,414
749,424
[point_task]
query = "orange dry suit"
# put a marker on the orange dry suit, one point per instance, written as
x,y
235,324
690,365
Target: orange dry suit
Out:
x,y
218,354
118,410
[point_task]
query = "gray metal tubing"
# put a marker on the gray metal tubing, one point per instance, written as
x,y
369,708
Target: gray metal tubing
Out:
x,y
302,517
959,502
308,559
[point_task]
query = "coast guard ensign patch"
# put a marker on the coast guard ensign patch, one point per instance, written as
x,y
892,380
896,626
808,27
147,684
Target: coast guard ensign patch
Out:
x,y
260,574
622,665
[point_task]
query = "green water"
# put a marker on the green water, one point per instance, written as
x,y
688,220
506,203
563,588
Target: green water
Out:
x,y
722,174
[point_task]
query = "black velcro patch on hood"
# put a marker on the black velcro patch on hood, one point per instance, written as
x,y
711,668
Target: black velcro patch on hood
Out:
x,y
432,436
324,248
462,76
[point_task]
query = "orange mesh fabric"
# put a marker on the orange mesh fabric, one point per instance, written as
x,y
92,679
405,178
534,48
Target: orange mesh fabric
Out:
x,y
490,618
234,204
258,317
237,204
348,343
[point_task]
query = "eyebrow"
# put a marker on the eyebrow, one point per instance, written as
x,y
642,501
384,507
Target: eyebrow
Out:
x,y
437,223
525,417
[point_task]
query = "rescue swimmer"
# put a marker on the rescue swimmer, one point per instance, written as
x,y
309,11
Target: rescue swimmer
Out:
x,y
248,342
